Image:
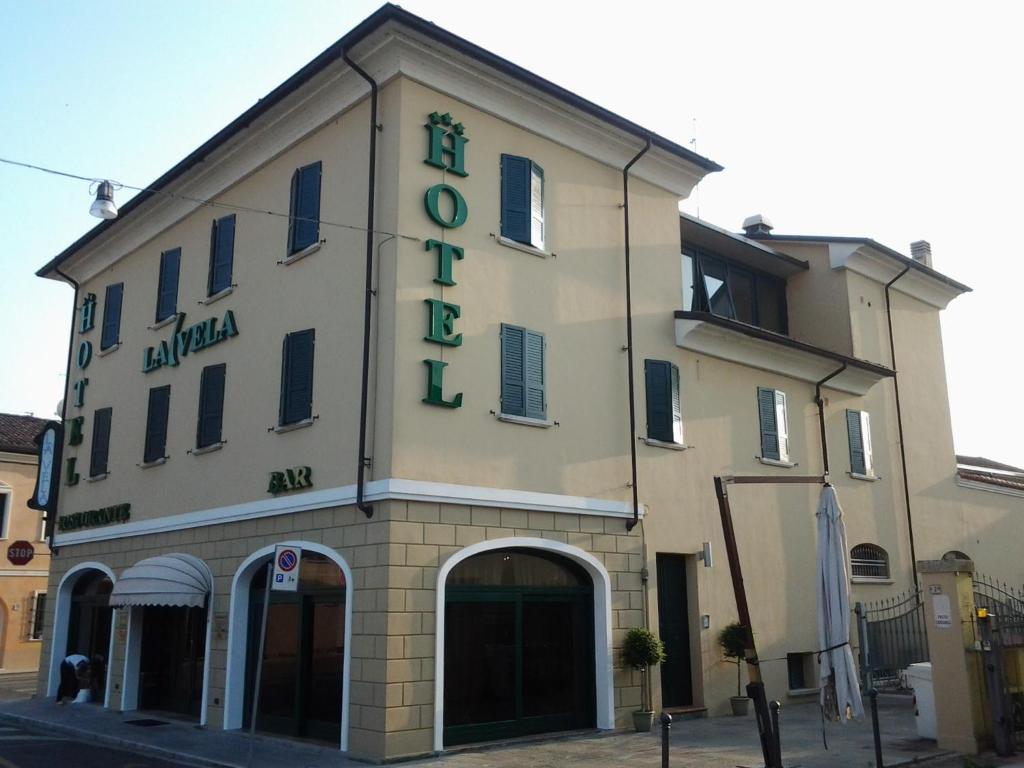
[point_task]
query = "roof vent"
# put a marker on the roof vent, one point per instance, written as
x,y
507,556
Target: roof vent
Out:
x,y
757,225
921,251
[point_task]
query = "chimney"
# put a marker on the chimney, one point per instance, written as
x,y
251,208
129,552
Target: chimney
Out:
x,y
757,225
921,251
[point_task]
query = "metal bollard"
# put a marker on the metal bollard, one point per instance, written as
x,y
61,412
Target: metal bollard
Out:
x,y
873,694
666,727
776,736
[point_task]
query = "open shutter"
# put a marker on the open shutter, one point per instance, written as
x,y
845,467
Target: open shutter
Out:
x,y
853,430
306,207
516,214
865,436
293,211
112,315
156,423
659,400
513,374
536,407
782,424
100,442
167,290
222,253
297,377
536,206
769,423
677,407
211,405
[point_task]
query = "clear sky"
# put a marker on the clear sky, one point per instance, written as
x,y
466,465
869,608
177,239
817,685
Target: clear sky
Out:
x,y
895,121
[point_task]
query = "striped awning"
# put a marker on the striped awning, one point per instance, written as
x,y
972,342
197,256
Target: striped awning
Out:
x,y
175,579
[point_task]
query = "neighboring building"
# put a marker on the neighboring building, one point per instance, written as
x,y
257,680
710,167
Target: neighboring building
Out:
x,y
479,583
24,570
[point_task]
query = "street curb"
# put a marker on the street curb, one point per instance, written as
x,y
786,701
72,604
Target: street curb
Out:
x,y
924,760
115,741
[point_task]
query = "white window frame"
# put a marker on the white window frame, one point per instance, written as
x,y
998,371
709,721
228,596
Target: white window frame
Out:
x,y
536,206
865,436
6,508
782,424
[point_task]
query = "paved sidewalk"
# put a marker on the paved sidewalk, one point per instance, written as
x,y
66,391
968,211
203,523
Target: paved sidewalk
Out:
x,y
709,743
17,685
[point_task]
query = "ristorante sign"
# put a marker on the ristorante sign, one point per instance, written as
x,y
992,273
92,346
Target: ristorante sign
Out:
x,y
191,339
119,513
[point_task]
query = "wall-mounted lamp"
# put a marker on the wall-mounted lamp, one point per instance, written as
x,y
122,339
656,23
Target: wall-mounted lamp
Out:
x,y
705,554
103,207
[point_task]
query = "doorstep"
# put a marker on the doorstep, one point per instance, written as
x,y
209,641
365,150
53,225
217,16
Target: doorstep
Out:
x,y
691,712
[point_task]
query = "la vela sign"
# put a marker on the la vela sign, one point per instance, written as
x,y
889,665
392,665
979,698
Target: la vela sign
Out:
x,y
20,553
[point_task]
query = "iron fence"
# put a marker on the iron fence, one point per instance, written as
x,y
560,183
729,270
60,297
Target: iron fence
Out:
x,y
892,637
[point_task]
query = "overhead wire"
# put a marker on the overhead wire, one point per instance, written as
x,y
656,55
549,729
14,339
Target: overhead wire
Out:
x,y
201,201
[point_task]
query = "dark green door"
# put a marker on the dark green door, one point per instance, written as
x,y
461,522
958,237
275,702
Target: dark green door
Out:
x,y
674,628
519,647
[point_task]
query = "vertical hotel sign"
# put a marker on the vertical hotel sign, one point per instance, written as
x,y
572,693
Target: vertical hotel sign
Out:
x,y
446,149
50,442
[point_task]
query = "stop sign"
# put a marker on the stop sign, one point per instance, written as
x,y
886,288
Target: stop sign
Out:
x,y
20,553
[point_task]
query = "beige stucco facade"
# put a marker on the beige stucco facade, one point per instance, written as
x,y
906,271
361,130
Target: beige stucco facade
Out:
x,y
446,484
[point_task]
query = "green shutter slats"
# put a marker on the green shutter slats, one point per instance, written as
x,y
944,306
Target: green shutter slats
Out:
x,y
304,221
677,406
112,315
658,379
167,289
858,464
536,408
513,375
211,405
769,423
516,213
156,423
293,205
536,206
297,377
100,454
222,254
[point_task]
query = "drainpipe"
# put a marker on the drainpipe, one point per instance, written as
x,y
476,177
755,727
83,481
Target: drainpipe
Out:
x,y
52,518
364,460
899,423
629,335
821,417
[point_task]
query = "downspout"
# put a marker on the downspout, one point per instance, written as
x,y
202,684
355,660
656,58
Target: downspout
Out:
x,y
629,336
51,518
364,460
821,417
899,422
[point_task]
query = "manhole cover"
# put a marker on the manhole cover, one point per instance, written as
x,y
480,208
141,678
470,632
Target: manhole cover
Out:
x,y
145,722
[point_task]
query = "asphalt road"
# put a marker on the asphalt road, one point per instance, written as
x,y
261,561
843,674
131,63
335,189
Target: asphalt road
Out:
x,y
20,748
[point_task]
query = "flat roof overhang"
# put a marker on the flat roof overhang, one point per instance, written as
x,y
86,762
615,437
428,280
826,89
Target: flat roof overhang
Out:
x,y
755,347
696,233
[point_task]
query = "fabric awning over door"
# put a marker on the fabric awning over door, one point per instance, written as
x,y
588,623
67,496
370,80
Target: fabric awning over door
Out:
x,y
176,579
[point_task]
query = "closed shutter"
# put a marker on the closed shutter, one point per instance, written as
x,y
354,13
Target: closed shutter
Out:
x,y
100,442
513,378
211,405
536,206
156,423
167,290
853,429
516,213
769,423
536,407
222,254
659,399
304,228
112,315
782,424
297,377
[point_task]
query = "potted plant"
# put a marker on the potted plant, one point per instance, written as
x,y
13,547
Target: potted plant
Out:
x,y
640,650
733,642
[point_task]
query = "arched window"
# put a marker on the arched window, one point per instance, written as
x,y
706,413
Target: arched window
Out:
x,y
869,561
956,554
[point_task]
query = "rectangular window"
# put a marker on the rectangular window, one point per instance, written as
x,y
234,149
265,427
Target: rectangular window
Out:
x,y
304,210
522,201
664,415
100,442
38,613
156,423
222,254
771,406
211,406
167,290
522,373
717,285
797,665
297,377
112,316
5,504
858,427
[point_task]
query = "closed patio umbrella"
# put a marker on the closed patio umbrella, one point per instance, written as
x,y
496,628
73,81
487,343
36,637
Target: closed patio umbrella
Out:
x,y
840,690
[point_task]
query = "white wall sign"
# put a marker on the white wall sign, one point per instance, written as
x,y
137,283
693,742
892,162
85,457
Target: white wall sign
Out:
x,y
287,559
943,613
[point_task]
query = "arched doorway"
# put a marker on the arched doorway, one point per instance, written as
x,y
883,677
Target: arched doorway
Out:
x,y
83,620
303,678
518,645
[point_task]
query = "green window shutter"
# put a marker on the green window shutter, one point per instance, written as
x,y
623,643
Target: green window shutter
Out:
x,y
516,210
304,227
677,406
112,315
167,289
513,372
222,254
536,407
536,206
156,423
297,377
853,428
293,205
658,380
211,405
100,455
769,423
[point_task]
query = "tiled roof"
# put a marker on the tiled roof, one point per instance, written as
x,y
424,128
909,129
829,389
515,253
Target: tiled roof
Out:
x,y
1003,481
18,433
983,463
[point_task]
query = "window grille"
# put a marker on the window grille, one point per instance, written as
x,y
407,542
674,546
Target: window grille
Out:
x,y
869,561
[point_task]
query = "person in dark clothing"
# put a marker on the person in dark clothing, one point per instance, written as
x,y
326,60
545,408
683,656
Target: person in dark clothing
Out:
x,y
70,668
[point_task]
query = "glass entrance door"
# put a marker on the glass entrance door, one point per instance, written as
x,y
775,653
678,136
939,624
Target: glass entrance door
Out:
x,y
171,659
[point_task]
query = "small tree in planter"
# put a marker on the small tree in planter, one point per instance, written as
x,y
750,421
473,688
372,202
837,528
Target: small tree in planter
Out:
x,y
733,641
640,650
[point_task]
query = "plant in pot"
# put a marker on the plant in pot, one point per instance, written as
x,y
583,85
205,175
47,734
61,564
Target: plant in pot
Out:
x,y
733,641
640,650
